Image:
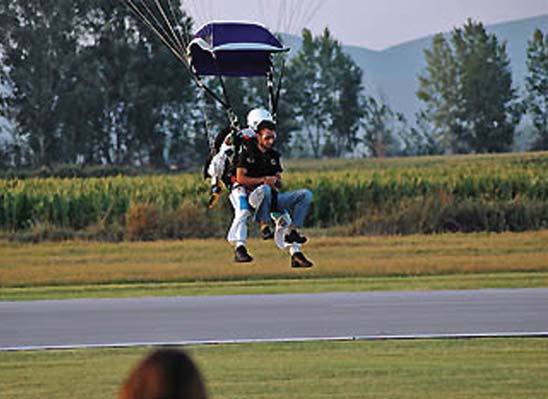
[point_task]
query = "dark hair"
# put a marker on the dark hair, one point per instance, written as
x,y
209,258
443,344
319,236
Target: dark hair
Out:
x,y
164,374
266,125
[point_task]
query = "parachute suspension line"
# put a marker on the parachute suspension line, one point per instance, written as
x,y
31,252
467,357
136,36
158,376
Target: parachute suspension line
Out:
x,y
183,28
147,15
262,15
158,29
270,88
225,103
199,11
281,14
210,92
178,36
167,24
232,117
314,11
274,89
173,43
294,16
225,92
210,143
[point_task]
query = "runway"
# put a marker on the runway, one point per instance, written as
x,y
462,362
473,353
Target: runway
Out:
x,y
291,317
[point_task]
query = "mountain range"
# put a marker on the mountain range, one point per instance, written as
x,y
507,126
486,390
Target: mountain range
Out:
x,y
391,75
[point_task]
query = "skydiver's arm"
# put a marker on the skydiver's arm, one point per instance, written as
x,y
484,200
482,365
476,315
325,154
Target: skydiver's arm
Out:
x,y
252,182
217,166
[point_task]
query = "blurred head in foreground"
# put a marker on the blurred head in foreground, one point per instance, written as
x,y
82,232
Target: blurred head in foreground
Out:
x,y
164,374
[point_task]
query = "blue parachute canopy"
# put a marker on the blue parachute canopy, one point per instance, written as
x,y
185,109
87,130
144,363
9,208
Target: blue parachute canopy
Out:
x,y
233,49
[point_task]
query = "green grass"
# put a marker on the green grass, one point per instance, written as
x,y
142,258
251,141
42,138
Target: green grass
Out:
x,y
203,267
480,368
279,286
340,164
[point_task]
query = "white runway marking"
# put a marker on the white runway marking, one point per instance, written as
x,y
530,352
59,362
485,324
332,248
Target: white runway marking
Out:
x,y
287,340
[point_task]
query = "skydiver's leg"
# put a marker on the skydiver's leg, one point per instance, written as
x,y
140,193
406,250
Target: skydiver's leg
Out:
x,y
282,229
237,234
298,203
260,199
298,260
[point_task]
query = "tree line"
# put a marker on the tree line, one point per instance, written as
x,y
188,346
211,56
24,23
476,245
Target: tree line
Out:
x,y
90,85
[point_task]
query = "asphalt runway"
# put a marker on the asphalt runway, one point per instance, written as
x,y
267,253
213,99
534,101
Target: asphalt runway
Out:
x,y
292,317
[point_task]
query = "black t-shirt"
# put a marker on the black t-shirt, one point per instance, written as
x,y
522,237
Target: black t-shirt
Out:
x,y
258,163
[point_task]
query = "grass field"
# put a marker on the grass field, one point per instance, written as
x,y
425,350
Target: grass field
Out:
x,y
452,161
478,368
199,267
481,368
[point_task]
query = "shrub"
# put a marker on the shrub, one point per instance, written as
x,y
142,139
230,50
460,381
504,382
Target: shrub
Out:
x,y
142,222
191,220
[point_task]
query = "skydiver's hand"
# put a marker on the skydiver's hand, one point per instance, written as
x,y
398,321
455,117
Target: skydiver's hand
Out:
x,y
270,181
214,194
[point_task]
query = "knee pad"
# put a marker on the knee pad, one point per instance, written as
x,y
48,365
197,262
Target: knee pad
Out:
x,y
258,195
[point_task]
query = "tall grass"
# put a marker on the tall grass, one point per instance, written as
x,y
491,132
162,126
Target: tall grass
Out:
x,y
494,193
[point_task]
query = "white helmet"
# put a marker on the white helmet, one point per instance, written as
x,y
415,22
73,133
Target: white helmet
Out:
x,y
257,116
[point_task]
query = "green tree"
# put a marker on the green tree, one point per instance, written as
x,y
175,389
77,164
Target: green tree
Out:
x,y
388,133
286,124
145,99
379,124
420,138
345,103
92,84
536,83
467,88
439,91
40,45
324,86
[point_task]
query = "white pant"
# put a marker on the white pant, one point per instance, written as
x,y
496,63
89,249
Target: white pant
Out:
x,y
237,234
282,224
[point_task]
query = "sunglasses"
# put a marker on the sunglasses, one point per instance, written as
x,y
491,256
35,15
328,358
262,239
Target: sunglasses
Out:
x,y
269,137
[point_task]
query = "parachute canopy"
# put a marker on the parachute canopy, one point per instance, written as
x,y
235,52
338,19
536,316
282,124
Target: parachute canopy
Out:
x,y
233,49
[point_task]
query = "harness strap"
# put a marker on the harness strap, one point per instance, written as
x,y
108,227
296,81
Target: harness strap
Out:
x,y
271,94
278,90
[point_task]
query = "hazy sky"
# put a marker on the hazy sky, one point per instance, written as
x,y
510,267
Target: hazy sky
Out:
x,y
375,24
